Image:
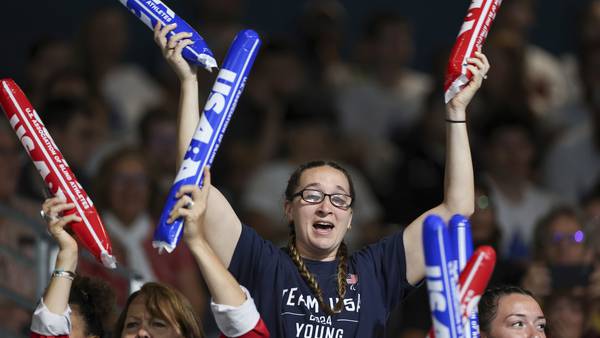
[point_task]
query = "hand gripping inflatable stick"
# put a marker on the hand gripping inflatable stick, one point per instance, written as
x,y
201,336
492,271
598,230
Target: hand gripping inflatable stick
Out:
x,y
153,11
55,171
473,32
219,108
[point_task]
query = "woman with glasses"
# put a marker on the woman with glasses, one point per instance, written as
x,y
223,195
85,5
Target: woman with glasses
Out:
x,y
564,258
313,287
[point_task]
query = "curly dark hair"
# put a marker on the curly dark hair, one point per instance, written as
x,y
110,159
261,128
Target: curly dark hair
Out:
x,y
94,300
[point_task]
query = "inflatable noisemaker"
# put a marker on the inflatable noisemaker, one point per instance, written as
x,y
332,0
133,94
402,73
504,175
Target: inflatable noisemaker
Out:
x,y
218,110
55,171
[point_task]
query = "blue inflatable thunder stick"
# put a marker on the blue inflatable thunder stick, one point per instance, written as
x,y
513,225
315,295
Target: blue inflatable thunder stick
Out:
x,y
441,272
153,11
217,112
461,242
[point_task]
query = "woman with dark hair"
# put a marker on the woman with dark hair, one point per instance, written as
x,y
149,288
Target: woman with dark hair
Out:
x,y
564,256
314,287
72,306
511,312
123,193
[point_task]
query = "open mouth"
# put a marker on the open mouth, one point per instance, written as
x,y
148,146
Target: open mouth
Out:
x,y
323,226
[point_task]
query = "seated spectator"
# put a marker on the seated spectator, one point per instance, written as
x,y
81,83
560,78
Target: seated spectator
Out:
x,y
564,259
123,194
567,314
15,238
571,165
509,154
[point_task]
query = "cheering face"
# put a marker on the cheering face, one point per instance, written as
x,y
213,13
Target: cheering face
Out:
x,y
140,323
518,316
320,226
129,189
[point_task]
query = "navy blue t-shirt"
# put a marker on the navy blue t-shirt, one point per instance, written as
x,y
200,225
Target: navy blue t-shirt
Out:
x,y
376,282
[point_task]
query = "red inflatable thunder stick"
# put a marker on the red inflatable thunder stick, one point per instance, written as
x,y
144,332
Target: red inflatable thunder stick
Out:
x,y
472,34
54,170
473,281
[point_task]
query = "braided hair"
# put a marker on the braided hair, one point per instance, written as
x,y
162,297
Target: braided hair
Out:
x,y
341,255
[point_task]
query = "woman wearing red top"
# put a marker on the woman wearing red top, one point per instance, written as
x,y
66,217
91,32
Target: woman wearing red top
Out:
x,y
155,310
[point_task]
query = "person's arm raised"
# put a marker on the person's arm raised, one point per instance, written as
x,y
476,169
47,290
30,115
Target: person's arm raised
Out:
x,y
459,195
222,226
193,207
56,296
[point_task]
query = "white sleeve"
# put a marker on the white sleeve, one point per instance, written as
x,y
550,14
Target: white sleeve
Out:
x,y
47,323
235,321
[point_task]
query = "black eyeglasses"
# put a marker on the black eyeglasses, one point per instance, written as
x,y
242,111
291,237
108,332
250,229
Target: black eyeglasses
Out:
x,y
314,196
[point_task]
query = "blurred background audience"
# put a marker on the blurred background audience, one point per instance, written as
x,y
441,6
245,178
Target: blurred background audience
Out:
x,y
357,82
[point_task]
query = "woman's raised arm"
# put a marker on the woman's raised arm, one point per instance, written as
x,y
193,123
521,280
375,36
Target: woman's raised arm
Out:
x,y
459,195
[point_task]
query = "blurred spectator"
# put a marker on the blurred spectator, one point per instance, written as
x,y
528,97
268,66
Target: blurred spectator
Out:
x,y
47,57
123,195
127,88
322,36
486,231
15,238
72,84
219,21
505,86
73,125
588,28
310,134
418,183
67,82
509,153
546,90
158,140
255,130
563,260
571,166
388,101
566,314
591,208
278,75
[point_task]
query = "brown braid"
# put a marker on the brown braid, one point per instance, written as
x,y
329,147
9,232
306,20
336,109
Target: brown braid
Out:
x,y
310,279
342,256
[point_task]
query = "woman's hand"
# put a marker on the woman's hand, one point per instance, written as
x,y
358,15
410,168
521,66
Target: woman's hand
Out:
x,y
53,209
192,206
479,66
171,49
